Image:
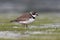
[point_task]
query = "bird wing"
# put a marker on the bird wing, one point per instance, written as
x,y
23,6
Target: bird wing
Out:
x,y
24,17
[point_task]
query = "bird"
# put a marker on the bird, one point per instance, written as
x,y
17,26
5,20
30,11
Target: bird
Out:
x,y
26,18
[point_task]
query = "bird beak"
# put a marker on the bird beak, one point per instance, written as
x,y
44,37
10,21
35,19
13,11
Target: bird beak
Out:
x,y
37,14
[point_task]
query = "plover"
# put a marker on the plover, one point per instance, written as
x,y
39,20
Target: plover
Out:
x,y
26,18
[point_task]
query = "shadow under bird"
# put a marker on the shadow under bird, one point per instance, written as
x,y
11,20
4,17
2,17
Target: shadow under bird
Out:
x,y
26,18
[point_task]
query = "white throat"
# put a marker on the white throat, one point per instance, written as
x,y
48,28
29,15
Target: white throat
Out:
x,y
34,15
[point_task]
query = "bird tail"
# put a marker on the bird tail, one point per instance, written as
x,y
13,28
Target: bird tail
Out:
x,y
13,21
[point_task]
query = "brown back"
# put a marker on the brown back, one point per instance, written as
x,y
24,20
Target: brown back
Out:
x,y
24,17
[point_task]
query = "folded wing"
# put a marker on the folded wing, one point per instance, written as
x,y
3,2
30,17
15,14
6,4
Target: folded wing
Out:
x,y
24,17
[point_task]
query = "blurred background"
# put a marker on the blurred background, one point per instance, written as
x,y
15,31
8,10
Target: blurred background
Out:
x,y
45,27
17,6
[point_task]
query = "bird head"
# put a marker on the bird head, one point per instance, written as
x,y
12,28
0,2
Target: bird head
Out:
x,y
34,13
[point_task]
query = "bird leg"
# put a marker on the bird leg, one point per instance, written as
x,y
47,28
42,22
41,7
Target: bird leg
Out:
x,y
26,25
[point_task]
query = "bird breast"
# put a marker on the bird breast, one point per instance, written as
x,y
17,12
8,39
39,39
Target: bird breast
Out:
x,y
27,21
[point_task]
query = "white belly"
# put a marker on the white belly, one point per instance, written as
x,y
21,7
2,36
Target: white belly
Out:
x,y
27,22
